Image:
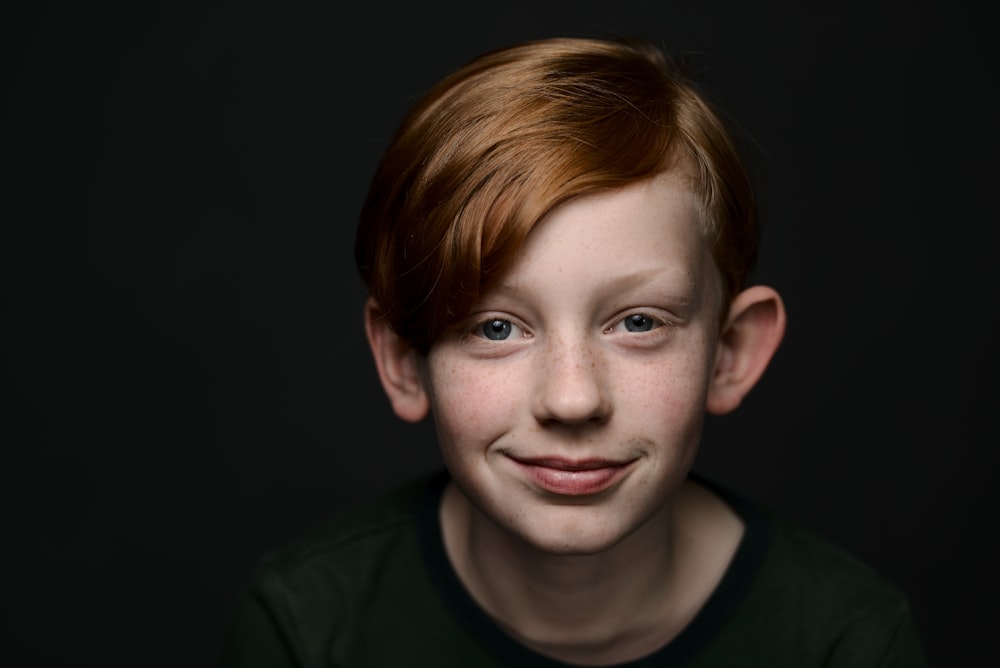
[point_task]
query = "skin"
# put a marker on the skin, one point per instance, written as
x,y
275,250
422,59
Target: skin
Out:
x,y
569,407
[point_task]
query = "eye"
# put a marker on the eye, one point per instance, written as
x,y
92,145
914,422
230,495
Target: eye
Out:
x,y
638,322
497,329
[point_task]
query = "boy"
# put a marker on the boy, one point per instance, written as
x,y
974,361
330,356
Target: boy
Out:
x,y
556,245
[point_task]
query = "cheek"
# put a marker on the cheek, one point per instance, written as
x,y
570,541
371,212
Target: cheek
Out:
x,y
472,405
667,399
671,393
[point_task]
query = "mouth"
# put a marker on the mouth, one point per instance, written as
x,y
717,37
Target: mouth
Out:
x,y
568,477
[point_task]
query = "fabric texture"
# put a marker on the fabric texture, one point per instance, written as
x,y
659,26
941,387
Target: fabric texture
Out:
x,y
375,588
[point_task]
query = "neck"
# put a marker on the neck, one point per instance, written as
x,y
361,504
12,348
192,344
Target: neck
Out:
x,y
595,609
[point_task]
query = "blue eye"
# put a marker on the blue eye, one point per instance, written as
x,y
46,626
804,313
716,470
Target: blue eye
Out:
x,y
639,322
496,329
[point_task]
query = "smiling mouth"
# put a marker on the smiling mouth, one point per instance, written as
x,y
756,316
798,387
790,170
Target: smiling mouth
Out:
x,y
564,477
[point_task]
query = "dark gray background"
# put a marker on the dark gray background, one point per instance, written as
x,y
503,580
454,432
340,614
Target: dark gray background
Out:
x,y
188,382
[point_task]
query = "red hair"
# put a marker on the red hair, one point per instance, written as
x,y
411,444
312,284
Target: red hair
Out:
x,y
493,147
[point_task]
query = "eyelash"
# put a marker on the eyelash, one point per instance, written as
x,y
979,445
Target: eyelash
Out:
x,y
478,329
655,322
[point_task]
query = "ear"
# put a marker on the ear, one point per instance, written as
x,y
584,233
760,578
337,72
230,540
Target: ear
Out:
x,y
398,366
750,335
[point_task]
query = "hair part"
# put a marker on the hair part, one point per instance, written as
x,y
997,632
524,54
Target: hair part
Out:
x,y
486,153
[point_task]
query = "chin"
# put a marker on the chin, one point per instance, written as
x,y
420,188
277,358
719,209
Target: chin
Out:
x,y
582,526
580,548
583,535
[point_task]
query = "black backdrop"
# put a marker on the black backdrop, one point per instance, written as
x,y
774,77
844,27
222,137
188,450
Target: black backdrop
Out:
x,y
188,382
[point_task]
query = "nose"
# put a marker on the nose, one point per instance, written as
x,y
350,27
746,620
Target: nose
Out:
x,y
571,386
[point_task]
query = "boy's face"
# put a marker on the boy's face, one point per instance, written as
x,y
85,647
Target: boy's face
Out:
x,y
569,406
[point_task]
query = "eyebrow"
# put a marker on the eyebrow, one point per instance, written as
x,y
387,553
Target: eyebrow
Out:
x,y
680,283
680,287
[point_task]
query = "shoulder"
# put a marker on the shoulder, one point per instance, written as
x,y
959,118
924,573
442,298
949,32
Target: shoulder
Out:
x,y
365,543
812,594
369,526
793,597
333,584
334,590
787,560
816,572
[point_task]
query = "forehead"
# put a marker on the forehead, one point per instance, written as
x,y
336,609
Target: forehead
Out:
x,y
650,227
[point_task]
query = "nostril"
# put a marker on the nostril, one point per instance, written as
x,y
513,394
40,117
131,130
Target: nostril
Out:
x,y
573,396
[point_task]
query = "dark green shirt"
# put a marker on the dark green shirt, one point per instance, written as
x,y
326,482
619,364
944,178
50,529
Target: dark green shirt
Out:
x,y
376,589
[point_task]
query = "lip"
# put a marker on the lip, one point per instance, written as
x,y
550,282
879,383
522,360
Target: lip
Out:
x,y
566,477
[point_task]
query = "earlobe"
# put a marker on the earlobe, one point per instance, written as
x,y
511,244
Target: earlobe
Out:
x,y
751,334
398,366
